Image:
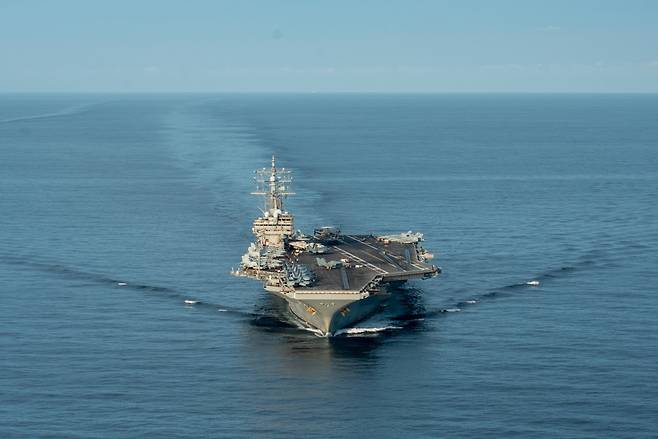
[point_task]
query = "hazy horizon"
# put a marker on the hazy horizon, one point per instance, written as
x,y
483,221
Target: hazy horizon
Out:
x,y
511,46
337,92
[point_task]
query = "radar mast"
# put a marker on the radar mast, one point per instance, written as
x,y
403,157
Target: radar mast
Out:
x,y
274,185
275,226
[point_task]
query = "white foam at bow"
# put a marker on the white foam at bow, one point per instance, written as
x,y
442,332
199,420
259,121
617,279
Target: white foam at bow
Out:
x,y
353,331
314,331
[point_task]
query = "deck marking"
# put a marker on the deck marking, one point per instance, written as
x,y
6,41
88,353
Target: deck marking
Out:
x,y
370,264
392,262
364,262
376,256
343,277
375,248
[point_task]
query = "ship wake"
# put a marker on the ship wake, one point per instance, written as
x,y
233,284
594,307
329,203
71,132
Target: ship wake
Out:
x,y
532,282
61,270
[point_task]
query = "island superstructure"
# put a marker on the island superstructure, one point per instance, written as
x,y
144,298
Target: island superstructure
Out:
x,y
330,280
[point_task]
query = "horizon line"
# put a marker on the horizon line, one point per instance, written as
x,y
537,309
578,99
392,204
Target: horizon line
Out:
x,y
183,92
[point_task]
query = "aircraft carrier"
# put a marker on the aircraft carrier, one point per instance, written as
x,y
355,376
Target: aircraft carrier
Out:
x,y
330,280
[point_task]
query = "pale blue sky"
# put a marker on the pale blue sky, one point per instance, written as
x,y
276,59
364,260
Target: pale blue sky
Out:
x,y
279,46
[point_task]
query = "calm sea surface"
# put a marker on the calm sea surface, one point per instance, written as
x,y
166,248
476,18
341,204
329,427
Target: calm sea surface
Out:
x,y
153,191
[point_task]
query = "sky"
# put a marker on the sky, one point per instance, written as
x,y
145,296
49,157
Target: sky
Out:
x,y
329,46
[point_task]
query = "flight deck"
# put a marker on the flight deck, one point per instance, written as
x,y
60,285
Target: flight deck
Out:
x,y
351,262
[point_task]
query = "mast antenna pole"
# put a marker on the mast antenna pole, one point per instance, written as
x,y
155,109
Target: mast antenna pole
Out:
x,y
274,184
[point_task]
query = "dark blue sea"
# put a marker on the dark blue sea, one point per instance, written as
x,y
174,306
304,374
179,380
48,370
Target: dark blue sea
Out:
x,y
115,209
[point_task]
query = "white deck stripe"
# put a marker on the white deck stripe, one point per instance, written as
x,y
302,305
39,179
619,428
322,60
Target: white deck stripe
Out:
x,y
368,264
385,260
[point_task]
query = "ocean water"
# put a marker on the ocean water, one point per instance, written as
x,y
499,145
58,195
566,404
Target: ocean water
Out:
x,y
114,209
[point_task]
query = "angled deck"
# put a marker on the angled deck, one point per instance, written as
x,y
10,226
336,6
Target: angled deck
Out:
x,y
368,259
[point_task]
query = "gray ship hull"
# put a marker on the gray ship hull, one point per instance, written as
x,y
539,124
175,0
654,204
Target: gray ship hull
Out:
x,y
330,316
